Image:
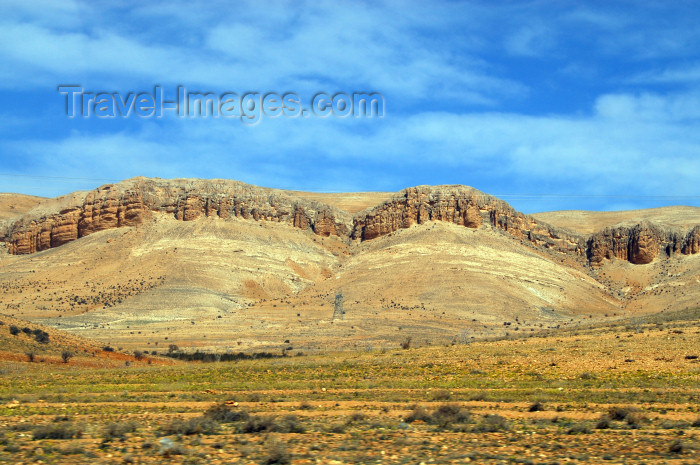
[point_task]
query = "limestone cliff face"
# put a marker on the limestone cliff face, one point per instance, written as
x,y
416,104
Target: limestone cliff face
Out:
x,y
131,202
640,244
691,243
464,206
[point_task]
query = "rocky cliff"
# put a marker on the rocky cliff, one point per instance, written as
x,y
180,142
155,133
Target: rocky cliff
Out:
x,y
464,206
641,243
131,202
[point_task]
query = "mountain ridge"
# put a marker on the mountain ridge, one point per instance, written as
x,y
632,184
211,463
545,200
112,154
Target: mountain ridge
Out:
x,y
133,201
140,262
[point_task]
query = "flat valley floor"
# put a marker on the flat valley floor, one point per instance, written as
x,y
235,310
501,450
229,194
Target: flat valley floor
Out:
x,y
619,394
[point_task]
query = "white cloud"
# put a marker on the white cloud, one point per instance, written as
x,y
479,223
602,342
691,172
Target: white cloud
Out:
x,y
436,63
337,46
628,144
649,107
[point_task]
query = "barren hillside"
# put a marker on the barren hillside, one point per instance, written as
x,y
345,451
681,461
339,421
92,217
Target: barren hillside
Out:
x,y
12,205
221,264
351,202
588,222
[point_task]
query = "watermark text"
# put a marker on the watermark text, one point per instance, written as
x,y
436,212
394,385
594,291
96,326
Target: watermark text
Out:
x,y
249,107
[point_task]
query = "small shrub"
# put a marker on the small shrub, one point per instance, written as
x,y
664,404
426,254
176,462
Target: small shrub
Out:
x,y
696,423
72,449
419,413
197,425
31,356
14,330
338,427
580,428
42,337
406,343
277,453
536,407
447,414
604,422
635,419
225,414
108,349
289,424
479,396
620,413
66,355
12,448
441,394
59,429
671,424
119,430
305,406
286,424
26,330
356,417
491,424
676,447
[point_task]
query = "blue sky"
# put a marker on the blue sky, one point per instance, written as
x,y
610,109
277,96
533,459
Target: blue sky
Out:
x,y
550,105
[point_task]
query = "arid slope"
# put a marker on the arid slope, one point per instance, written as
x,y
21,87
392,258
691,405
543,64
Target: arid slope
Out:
x,y
588,222
221,264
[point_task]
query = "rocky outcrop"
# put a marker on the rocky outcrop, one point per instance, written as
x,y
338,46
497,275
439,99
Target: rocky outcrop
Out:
x,y
130,202
640,244
418,205
464,206
691,243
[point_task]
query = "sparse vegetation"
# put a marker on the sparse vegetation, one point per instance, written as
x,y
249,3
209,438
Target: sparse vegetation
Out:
x,y
276,452
119,430
491,424
209,357
190,426
441,394
579,428
536,406
61,428
41,336
676,447
130,414
604,422
223,413
448,414
285,424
